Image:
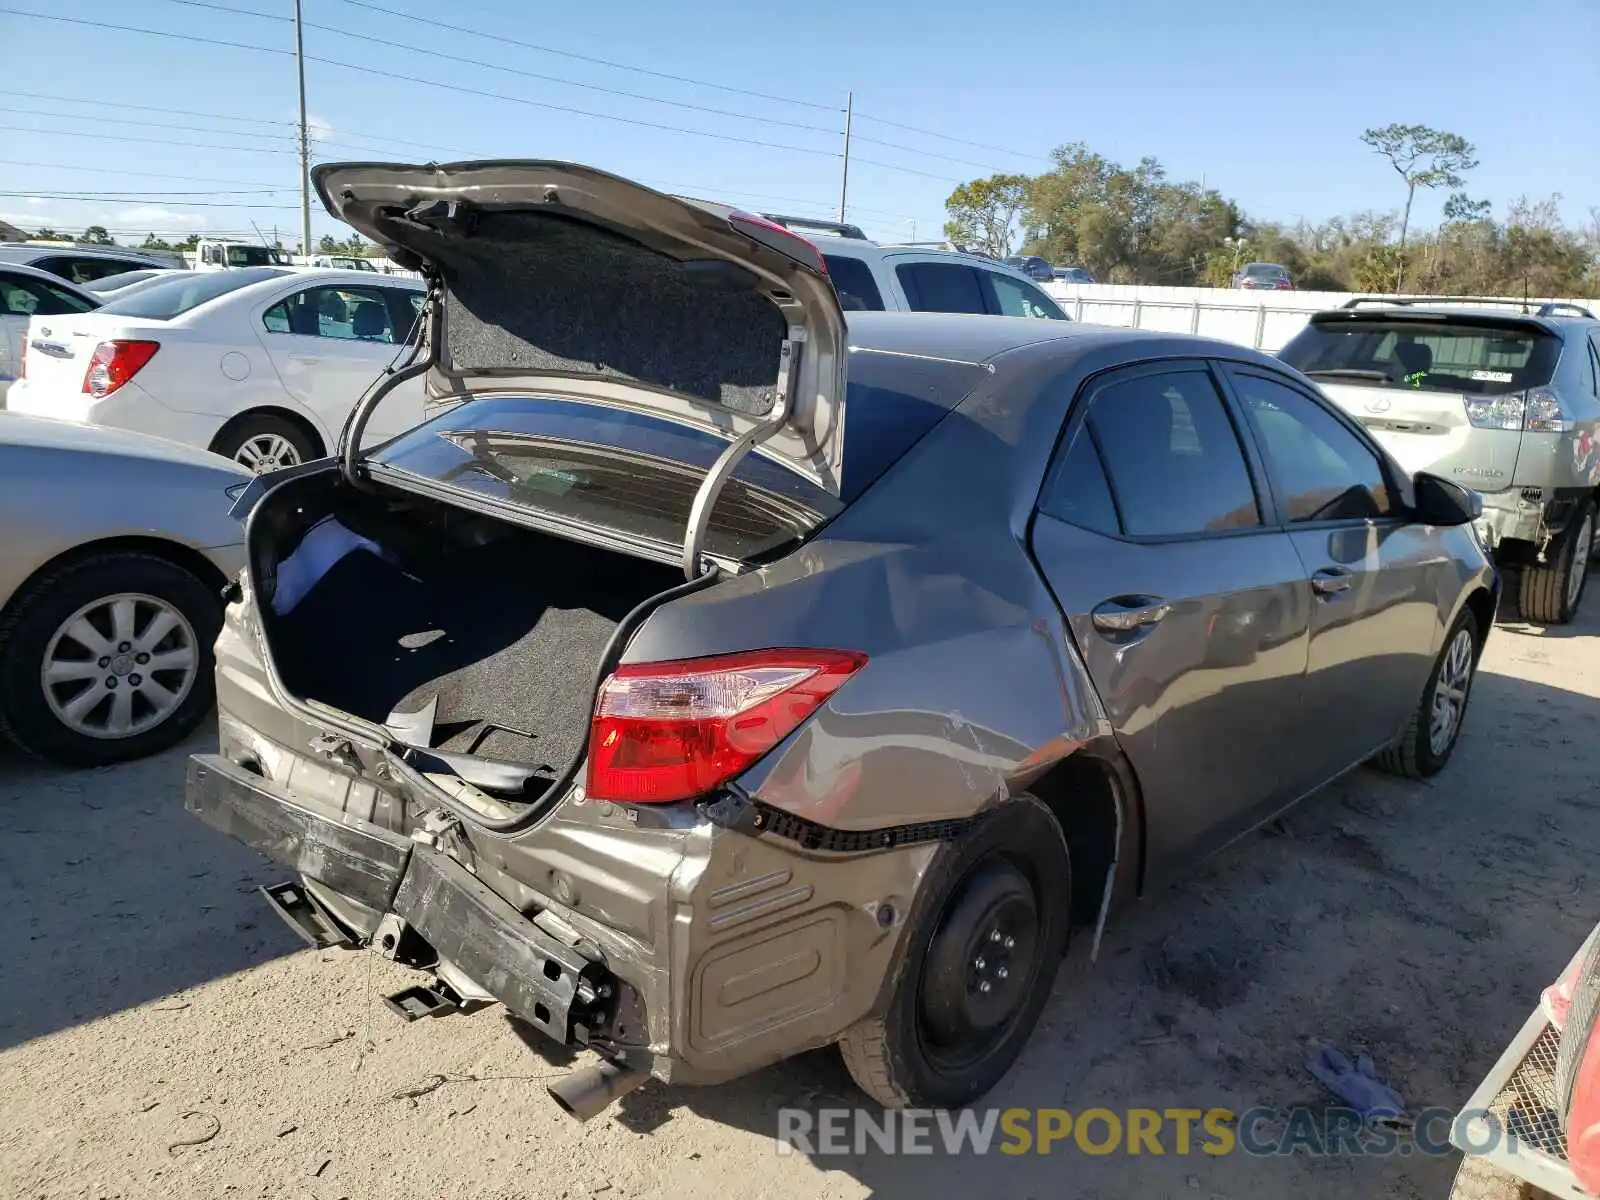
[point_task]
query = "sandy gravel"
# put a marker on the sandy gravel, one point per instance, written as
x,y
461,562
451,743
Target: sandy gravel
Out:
x,y
150,999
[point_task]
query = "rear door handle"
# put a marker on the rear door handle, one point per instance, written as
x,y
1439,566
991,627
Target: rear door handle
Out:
x,y
1330,581
1128,614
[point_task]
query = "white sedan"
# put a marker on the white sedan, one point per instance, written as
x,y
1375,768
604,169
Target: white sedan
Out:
x,y
261,364
26,292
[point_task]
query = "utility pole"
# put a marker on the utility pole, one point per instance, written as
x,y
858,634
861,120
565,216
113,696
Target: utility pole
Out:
x,y
844,181
305,141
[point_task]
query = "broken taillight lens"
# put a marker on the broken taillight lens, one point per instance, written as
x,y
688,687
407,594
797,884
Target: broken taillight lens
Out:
x,y
667,731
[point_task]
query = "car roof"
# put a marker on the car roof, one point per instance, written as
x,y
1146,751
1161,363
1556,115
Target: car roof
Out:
x,y
977,339
863,248
23,252
347,275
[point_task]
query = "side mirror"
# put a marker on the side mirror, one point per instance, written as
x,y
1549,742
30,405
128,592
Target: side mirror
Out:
x,y
1442,502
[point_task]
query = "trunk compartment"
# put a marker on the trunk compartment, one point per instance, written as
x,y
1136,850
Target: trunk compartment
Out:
x,y
460,633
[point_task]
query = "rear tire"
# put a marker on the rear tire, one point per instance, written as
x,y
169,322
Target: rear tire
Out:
x,y
1426,746
1550,594
263,442
993,910
168,682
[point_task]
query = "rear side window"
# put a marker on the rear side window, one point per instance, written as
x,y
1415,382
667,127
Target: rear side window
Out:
x,y
1078,491
84,270
941,287
27,297
163,301
852,279
1172,456
1481,358
1014,298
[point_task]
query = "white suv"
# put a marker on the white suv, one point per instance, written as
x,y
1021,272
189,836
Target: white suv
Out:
x,y
870,275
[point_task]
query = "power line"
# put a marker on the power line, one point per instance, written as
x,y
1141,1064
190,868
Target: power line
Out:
x,y
948,138
146,200
171,112
126,193
434,52
99,170
452,87
603,62
117,137
142,122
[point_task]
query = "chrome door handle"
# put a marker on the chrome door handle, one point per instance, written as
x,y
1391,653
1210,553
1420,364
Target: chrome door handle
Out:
x,y
1330,581
1116,616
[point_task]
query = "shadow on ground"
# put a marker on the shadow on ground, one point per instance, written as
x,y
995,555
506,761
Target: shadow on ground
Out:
x,y
115,896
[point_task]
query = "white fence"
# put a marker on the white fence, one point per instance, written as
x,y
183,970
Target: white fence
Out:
x,y
1265,320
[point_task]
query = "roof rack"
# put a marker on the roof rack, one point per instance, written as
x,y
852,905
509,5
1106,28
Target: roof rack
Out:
x,y
837,228
1546,308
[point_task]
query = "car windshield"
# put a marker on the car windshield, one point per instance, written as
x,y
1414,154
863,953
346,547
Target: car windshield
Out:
x,y
254,256
1264,269
1447,355
176,296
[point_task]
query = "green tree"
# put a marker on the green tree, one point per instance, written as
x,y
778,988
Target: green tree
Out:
x,y
1423,157
152,242
50,235
96,235
983,213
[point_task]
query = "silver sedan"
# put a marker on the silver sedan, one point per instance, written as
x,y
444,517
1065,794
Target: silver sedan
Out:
x,y
114,551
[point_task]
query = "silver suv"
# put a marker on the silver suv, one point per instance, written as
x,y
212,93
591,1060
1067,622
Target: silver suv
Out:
x,y
1503,396
875,276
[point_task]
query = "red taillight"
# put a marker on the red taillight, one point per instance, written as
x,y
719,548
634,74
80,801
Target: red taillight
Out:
x,y
114,363
667,731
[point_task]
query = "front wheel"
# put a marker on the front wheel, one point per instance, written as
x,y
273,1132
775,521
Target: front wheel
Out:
x,y
981,948
107,658
1550,594
1431,734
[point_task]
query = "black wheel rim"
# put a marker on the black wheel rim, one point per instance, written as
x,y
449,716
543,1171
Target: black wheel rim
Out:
x,y
981,964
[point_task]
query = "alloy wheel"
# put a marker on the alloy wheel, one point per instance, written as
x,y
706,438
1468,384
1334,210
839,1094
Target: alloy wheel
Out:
x,y
120,665
266,452
1450,692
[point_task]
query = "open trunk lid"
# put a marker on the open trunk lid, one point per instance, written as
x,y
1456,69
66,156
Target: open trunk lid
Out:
x,y
559,279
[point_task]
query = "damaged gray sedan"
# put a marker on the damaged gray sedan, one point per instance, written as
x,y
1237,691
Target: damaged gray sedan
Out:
x,y
705,681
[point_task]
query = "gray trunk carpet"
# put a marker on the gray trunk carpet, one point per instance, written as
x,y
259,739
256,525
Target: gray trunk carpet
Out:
x,y
508,646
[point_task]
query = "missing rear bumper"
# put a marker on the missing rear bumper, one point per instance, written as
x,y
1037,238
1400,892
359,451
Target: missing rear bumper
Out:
x,y
556,988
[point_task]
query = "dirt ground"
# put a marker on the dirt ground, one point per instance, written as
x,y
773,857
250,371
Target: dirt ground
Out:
x,y
151,1000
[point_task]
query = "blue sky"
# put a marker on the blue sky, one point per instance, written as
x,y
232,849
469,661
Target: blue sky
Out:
x,y
1265,99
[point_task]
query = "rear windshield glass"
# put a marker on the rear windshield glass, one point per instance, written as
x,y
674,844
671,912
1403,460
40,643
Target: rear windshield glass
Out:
x,y
616,470
1478,358
176,296
1264,269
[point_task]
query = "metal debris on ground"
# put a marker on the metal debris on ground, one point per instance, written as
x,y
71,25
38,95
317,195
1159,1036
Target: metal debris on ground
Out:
x,y
216,1128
